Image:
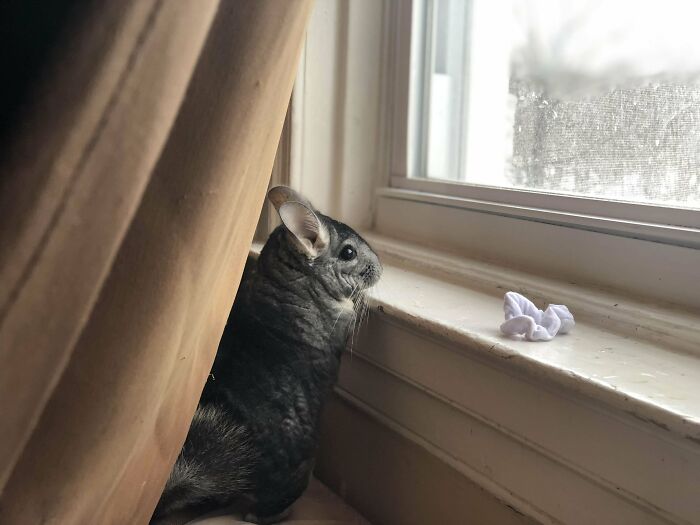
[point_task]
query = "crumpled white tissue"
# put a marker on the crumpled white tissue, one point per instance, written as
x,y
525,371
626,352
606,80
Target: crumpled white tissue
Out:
x,y
524,318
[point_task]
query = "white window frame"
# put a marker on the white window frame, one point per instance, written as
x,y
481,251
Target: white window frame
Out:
x,y
647,226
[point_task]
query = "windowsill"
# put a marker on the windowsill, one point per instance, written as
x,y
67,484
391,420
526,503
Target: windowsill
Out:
x,y
652,380
599,426
641,369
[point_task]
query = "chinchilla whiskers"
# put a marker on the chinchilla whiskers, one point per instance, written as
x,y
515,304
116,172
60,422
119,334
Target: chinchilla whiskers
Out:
x,y
366,312
362,311
359,301
352,335
375,293
352,293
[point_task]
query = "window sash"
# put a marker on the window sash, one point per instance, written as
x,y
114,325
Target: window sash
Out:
x,y
409,87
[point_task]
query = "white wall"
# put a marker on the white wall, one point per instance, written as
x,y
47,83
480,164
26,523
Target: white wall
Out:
x,y
336,136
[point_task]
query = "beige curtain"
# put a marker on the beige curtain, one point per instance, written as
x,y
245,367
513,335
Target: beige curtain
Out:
x,y
129,195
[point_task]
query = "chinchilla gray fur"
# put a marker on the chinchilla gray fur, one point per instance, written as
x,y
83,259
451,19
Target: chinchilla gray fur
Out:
x,y
252,441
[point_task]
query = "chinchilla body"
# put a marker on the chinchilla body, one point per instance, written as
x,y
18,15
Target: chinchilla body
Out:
x,y
253,439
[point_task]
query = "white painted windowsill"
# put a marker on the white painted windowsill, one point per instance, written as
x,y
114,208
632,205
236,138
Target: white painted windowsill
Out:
x,y
651,374
601,425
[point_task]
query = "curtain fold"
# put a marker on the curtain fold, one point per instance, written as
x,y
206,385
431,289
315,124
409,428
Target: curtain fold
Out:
x,y
128,240
71,182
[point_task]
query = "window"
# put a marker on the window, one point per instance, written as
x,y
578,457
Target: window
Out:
x,y
558,137
459,125
581,98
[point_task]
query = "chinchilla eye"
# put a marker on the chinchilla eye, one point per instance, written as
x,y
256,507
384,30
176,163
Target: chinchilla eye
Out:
x,y
347,253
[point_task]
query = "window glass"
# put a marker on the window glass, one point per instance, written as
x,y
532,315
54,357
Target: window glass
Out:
x,y
599,99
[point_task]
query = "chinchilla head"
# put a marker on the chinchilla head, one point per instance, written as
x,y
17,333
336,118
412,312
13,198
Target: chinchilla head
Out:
x,y
322,250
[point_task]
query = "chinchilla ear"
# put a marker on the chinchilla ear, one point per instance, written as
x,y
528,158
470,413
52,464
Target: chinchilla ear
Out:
x,y
307,228
282,194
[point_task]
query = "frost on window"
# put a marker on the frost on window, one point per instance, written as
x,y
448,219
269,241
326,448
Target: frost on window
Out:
x,y
607,99
638,144
598,98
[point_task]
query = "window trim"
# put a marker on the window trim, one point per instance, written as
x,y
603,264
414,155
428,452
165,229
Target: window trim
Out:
x,y
677,226
614,209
